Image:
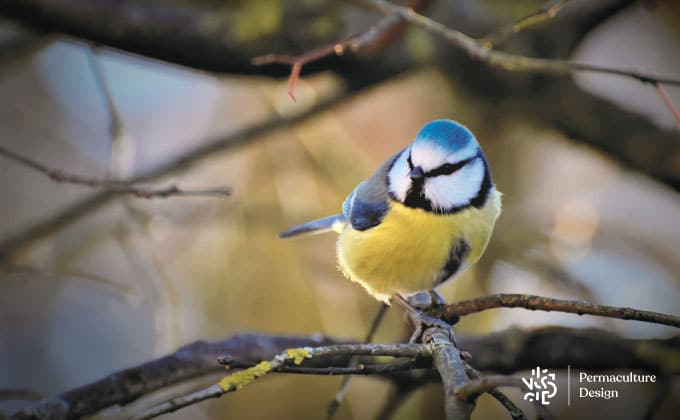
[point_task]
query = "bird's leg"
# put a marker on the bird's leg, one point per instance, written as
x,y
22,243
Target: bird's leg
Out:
x,y
438,304
421,320
437,298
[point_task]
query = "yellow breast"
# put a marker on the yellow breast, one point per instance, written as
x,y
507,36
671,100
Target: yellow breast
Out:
x,y
406,252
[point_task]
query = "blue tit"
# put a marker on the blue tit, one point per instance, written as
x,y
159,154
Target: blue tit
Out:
x,y
423,218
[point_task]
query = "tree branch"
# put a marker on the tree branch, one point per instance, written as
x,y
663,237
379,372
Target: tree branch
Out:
x,y
453,311
447,360
504,352
548,11
110,185
473,389
515,412
290,357
353,44
186,363
507,61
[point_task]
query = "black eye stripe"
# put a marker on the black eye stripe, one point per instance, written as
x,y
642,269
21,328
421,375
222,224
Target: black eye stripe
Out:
x,y
449,168
409,161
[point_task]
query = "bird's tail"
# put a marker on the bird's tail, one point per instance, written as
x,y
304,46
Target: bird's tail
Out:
x,y
314,227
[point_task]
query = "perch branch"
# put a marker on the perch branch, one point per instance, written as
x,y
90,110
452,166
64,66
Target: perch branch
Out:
x,y
113,186
447,360
540,303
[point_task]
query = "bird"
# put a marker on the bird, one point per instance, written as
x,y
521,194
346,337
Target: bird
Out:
x,y
423,217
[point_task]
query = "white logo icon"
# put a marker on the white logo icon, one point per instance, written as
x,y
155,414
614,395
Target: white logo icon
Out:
x,y
541,386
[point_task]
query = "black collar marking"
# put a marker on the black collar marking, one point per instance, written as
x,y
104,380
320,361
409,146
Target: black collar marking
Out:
x,y
459,251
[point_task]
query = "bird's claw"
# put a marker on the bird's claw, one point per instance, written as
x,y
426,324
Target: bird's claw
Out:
x,y
422,321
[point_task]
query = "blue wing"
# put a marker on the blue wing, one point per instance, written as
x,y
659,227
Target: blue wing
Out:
x,y
362,214
369,202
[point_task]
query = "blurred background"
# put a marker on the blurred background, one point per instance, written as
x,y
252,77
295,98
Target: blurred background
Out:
x,y
589,168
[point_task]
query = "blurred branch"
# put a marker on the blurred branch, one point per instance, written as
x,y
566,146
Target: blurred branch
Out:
x,y
662,392
532,302
480,49
19,394
204,35
112,186
115,122
174,33
548,11
15,243
503,60
21,45
505,352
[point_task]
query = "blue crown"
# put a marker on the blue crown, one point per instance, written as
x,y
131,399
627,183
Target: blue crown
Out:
x,y
447,134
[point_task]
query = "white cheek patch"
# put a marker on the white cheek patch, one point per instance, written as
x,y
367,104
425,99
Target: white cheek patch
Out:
x,y
448,191
398,179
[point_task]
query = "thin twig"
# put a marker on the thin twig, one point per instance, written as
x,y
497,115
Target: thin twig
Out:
x,y
540,303
663,390
344,386
293,357
170,406
116,122
470,391
548,11
114,186
515,412
353,43
669,103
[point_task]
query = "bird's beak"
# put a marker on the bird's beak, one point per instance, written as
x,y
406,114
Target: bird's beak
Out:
x,y
416,173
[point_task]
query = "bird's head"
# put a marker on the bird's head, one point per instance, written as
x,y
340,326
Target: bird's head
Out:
x,y
443,170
